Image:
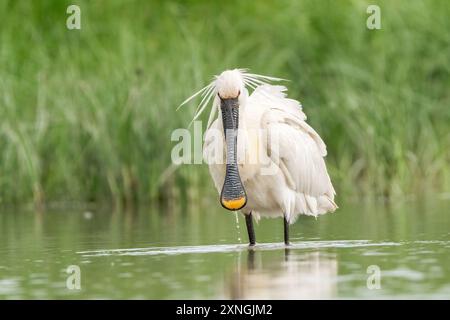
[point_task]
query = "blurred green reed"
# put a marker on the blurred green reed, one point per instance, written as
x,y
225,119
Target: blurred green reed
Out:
x,y
87,114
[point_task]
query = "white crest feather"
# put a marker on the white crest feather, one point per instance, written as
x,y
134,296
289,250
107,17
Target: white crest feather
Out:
x,y
209,92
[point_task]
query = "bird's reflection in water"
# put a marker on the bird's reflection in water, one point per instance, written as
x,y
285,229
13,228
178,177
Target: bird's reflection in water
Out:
x,y
296,275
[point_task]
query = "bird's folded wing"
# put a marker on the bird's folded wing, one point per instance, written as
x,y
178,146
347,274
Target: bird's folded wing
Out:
x,y
274,99
292,143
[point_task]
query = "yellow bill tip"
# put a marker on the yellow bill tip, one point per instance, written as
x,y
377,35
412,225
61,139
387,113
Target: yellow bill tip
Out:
x,y
234,204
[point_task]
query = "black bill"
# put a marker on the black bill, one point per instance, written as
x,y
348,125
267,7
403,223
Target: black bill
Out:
x,y
233,195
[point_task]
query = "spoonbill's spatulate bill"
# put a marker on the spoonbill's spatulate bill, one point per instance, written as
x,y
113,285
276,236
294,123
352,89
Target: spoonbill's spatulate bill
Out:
x,y
265,160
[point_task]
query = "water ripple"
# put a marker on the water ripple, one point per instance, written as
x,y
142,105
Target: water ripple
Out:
x,y
221,248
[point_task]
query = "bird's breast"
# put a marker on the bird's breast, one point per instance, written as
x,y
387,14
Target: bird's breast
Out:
x,y
251,153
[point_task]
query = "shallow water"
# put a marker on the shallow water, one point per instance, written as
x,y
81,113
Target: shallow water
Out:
x,y
163,254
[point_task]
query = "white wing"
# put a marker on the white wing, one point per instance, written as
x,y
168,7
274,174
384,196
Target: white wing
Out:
x,y
297,149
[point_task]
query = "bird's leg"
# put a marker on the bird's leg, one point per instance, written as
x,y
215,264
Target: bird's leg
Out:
x,y
286,231
250,230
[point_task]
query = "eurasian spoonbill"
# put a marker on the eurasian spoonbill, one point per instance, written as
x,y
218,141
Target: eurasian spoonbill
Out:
x,y
264,158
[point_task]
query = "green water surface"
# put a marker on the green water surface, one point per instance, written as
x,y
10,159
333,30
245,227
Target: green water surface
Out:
x,y
160,254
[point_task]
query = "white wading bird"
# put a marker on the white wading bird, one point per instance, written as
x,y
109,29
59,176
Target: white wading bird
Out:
x,y
299,184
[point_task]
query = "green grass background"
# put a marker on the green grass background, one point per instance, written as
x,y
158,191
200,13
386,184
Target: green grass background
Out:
x,y
87,114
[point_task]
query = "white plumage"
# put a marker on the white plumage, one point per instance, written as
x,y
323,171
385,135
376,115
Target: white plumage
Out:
x,y
280,157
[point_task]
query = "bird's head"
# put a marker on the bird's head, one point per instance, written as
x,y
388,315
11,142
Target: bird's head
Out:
x,y
229,84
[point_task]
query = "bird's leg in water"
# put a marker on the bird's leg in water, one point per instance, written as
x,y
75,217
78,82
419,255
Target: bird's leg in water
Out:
x,y
286,231
250,230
